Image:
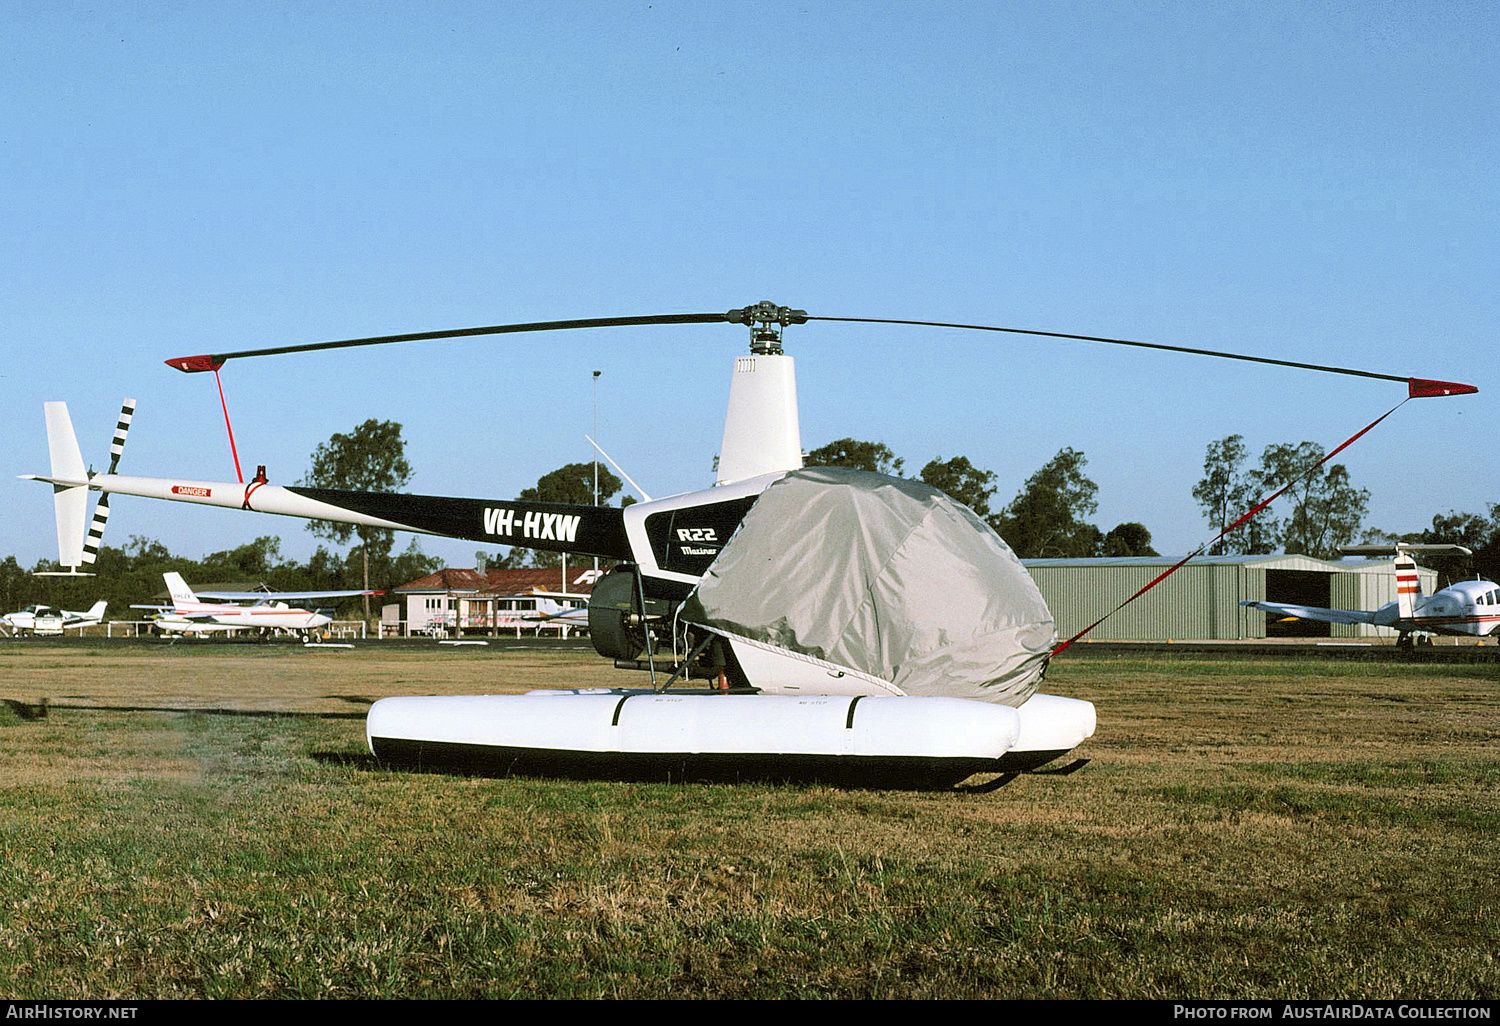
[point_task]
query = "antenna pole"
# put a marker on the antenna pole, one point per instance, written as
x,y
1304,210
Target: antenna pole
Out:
x,y
596,455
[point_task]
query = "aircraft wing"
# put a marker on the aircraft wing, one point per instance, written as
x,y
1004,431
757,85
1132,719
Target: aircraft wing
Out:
x,y
279,596
578,617
1313,612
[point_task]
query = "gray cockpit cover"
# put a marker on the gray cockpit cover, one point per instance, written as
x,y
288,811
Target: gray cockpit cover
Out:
x,y
885,576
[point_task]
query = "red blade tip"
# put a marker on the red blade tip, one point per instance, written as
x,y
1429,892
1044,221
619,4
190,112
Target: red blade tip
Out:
x,y
190,364
1419,388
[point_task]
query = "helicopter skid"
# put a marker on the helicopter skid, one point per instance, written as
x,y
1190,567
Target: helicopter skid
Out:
x,y
873,741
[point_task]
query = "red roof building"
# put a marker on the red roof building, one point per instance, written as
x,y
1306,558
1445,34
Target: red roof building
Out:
x,y
459,601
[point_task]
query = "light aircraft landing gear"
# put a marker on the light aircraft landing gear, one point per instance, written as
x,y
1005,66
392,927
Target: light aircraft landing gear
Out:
x,y
1408,644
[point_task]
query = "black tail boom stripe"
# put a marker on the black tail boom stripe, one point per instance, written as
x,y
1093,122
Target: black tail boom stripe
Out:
x,y
549,526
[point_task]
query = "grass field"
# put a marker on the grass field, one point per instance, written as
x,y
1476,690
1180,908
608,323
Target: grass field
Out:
x,y
206,822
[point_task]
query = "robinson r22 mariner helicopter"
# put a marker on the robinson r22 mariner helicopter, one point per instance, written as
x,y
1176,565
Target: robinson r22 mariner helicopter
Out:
x,y
849,625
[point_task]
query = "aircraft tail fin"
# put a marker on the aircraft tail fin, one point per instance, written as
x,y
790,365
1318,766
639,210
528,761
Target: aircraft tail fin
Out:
x,y
96,611
1408,585
178,589
70,490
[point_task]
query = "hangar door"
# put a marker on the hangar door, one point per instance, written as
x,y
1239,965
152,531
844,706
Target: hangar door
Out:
x,y
1303,588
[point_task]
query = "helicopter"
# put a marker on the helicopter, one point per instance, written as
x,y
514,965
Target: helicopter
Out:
x,y
841,622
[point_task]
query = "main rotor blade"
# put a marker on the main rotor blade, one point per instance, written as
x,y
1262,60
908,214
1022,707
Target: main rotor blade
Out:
x,y
213,361
1416,387
767,313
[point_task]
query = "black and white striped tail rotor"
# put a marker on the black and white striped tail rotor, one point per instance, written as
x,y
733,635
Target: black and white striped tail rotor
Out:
x,y
122,428
95,536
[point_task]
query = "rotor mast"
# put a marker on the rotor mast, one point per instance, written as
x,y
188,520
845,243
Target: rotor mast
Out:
x,y
761,431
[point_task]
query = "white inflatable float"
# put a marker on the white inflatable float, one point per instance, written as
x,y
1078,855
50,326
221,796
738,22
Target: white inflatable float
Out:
x,y
875,741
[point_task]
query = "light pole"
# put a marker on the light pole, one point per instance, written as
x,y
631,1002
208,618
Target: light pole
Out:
x,y
595,446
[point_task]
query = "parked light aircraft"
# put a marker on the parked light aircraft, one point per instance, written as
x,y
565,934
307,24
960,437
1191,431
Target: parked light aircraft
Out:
x,y
666,547
40,619
552,611
266,612
535,608
1466,608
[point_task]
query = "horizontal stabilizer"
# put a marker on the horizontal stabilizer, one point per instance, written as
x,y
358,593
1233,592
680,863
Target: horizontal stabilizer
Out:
x,y
57,482
1395,547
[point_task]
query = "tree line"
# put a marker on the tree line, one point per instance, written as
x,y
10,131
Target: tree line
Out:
x,y
1047,519
1322,509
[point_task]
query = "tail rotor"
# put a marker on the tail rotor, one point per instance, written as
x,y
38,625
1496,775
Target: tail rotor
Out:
x,y
95,536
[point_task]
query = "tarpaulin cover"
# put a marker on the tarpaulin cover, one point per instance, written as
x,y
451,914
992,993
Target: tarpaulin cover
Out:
x,y
883,575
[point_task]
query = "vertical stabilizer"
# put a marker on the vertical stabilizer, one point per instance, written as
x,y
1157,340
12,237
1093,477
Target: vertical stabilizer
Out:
x,y
181,594
70,499
761,432
1408,585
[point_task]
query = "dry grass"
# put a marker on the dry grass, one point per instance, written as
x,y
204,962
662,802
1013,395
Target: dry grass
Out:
x,y
205,823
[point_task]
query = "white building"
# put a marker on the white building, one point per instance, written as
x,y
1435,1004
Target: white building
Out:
x,y
453,601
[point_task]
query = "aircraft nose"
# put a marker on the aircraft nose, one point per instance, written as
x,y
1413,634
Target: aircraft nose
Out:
x,y
319,620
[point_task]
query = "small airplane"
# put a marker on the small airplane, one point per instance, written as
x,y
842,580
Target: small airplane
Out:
x,y
535,608
559,609
42,620
1467,608
267,611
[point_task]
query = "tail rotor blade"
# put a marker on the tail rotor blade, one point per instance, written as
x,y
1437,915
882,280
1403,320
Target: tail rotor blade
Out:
x,y
95,537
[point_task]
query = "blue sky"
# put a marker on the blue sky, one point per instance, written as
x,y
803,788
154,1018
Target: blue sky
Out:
x,y
1311,181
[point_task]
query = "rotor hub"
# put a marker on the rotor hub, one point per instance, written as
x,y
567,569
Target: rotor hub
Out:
x,y
766,320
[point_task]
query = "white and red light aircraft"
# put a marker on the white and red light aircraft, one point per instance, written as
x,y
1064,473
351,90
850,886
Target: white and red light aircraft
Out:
x,y
40,619
267,612
556,609
1467,608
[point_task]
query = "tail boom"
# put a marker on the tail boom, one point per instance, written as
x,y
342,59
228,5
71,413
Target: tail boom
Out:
x,y
555,527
